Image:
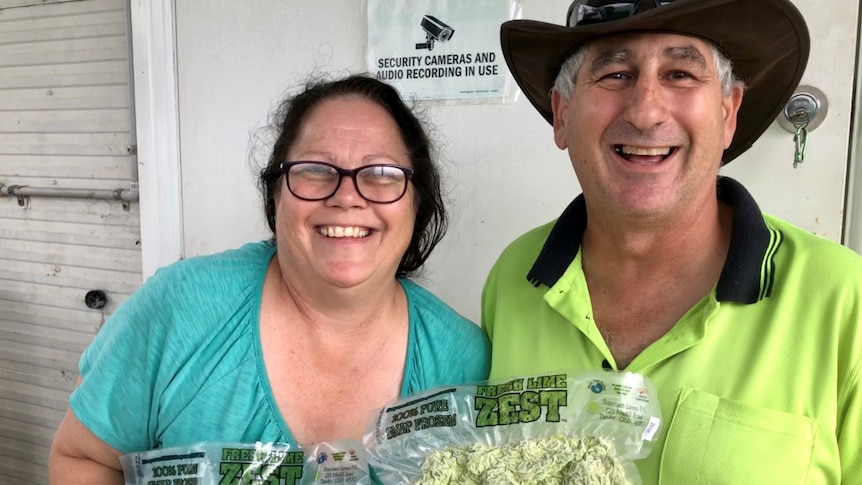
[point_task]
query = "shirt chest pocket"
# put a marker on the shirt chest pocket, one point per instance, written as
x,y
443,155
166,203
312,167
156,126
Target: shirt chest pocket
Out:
x,y
712,440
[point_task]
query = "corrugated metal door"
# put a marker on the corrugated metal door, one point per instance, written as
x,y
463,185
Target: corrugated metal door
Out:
x,y
65,123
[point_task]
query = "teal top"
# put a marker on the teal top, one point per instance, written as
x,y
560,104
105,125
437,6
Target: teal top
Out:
x,y
180,361
759,382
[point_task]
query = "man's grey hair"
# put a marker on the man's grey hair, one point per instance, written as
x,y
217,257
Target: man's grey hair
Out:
x,y
565,82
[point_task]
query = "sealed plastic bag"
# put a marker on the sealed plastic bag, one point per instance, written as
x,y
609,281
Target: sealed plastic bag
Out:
x,y
584,429
341,463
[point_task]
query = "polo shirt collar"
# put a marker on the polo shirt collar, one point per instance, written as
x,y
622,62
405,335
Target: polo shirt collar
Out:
x,y
748,273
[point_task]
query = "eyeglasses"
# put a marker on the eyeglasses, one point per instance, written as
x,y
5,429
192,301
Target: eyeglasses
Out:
x,y
382,184
585,12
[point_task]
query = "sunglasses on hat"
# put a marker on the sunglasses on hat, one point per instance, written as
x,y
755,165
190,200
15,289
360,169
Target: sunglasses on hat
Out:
x,y
585,12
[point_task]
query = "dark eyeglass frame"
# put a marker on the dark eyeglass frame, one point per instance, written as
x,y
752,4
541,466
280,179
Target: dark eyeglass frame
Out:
x,y
343,172
607,12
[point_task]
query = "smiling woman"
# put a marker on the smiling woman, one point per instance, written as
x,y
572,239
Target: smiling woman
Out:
x,y
297,339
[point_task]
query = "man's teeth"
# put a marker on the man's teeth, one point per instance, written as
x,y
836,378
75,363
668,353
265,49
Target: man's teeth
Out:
x,y
630,150
340,231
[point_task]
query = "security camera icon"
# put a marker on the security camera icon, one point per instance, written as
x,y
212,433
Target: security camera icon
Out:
x,y
435,31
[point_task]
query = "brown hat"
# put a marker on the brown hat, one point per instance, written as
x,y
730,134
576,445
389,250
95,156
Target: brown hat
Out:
x,y
767,41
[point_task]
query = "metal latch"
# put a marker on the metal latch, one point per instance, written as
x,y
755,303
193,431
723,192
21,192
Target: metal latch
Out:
x,y
804,112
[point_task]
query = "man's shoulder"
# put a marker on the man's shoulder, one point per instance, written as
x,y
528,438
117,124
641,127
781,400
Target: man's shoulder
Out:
x,y
526,247
805,261
803,245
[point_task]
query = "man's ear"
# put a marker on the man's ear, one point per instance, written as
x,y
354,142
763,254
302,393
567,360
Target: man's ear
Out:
x,y
730,107
559,106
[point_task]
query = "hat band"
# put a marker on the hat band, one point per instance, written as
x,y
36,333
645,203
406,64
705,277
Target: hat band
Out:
x,y
585,12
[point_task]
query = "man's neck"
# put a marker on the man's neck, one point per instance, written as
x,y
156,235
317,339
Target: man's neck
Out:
x,y
694,236
643,279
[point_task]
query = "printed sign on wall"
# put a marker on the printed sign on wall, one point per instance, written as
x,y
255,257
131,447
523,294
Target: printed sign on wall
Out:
x,y
440,49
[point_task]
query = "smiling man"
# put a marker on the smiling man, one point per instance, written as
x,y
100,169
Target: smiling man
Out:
x,y
748,326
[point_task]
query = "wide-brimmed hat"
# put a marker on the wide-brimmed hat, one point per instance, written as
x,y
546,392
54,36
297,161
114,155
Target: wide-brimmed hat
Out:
x,y
767,41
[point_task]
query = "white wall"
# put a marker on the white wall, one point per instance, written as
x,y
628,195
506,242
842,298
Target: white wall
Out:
x,y
503,173
236,59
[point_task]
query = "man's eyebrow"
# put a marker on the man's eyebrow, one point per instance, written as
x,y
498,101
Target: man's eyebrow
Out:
x,y
617,56
609,57
686,53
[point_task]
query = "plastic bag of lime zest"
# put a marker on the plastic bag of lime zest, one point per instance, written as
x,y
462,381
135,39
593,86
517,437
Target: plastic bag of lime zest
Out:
x,y
549,461
479,433
339,462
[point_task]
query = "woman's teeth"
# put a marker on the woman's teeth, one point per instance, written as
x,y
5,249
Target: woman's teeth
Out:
x,y
341,231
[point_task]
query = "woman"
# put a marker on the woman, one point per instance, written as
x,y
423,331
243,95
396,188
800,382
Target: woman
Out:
x,y
298,339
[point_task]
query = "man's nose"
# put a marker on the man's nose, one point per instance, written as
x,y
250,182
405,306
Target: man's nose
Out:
x,y
647,104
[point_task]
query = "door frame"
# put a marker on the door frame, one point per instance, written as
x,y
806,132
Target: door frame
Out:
x,y
157,121
852,232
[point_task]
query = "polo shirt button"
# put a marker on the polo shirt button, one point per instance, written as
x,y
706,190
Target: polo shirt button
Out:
x,y
606,365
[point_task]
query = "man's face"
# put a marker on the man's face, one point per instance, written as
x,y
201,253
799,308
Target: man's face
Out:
x,y
647,123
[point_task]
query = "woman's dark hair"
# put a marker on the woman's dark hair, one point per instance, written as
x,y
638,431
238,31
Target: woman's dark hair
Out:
x,y
431,220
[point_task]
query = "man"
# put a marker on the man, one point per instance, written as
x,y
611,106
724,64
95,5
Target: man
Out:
x,y
748,326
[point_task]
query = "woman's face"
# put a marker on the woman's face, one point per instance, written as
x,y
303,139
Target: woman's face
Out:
x,y
345,240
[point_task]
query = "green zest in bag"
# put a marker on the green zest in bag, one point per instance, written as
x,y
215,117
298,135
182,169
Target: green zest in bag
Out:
x,y
550,429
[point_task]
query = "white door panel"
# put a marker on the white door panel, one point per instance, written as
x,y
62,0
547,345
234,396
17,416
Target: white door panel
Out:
x,y
65,123
503,174
812,194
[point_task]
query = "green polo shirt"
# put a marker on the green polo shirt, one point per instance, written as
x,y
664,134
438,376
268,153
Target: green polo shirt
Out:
x,y
759,382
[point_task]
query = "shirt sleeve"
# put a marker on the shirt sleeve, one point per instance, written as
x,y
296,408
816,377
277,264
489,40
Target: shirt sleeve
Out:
x,y
850,431
120,367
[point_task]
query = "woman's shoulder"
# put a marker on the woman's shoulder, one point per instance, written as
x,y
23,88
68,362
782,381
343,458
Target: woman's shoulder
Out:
x,y
452,349
431,308
224,272
201,288
248,257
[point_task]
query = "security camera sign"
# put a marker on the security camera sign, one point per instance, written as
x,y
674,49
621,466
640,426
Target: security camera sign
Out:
x,y
440,49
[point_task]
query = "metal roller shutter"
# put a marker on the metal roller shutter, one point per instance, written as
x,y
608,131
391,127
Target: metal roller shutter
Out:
x,y
69,221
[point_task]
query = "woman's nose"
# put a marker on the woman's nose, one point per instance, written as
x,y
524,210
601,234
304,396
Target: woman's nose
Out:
x,y
347,194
